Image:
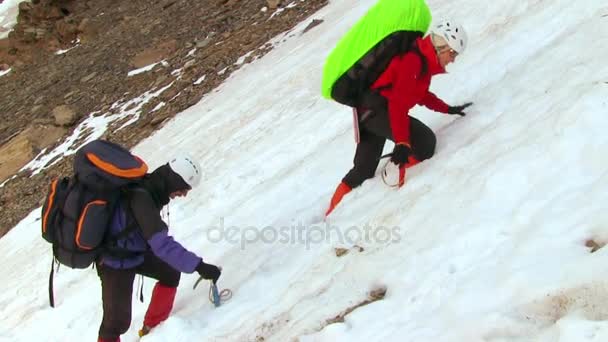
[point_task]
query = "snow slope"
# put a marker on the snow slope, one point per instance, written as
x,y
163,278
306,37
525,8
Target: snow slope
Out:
x,y
486,242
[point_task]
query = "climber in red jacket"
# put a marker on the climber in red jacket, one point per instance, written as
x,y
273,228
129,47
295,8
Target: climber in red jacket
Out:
x,y
385,108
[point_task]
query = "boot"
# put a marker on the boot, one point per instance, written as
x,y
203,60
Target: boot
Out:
x,y
341,190
144,330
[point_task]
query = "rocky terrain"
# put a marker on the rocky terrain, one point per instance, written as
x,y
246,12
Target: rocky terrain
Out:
x,y
69,60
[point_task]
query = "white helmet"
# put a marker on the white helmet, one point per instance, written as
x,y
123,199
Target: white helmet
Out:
x,y
453,33
188,169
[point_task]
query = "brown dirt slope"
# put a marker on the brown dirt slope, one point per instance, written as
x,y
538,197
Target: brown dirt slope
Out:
x,y
49,92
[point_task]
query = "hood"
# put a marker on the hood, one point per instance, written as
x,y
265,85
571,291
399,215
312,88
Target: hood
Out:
x,y
162,182
428,51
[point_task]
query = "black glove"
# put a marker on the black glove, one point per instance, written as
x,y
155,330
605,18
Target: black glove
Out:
x,y
459,110
208,271
401,153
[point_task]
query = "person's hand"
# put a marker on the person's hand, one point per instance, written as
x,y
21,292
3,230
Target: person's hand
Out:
x,y
208,271
401,153
459,110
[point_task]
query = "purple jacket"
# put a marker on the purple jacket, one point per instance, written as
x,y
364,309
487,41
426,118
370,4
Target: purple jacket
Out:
x,y
147,232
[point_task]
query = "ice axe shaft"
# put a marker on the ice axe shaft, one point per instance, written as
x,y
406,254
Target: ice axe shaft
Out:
x,y
388,155
216,295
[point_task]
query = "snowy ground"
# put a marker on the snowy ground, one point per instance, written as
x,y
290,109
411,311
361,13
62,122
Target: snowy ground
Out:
x,y
485,243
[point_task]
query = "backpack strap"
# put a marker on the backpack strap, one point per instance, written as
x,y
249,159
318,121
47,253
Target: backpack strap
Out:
x,y
130,228
123,234
125,195
51,278
423,65
58,221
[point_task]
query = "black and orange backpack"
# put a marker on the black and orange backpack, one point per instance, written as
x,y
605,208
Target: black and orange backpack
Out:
x,y
78,210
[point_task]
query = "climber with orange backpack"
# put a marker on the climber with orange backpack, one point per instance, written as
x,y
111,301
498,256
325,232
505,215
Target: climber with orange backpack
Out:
x,y
382,68
108,214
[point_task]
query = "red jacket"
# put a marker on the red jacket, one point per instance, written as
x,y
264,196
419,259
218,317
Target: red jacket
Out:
x,y
406,88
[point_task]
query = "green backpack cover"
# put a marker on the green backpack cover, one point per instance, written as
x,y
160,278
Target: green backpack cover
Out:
x,y
383,19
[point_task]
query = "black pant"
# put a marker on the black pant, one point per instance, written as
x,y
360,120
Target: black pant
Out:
x,y
117,289
374,131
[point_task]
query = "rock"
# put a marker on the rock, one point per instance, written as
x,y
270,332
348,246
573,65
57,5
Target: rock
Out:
x,y
37,14
313,23
159,118
43,134
159,80
70,94
183,84
66,31
53,13
146,58
14,155
169,46
5,44
340,251
88,77
22,18
189,64
6,59
53,45
168,3
595,246
43,121
30,34
169,94
23,147
64,116
35,109
273,4
377,294
84,25
202,43
25,6
154,54
40,33
104,109
358,248
128,18
18,63
192,100
88,30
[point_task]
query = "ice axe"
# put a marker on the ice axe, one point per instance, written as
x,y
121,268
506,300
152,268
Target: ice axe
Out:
x,y
385,171
388,155
215,296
